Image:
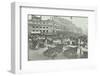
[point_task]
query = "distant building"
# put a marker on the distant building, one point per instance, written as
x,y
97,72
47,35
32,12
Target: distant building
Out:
x,y
39,26
52,24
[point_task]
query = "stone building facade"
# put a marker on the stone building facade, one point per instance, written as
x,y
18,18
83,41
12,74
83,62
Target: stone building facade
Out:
x,y
39,26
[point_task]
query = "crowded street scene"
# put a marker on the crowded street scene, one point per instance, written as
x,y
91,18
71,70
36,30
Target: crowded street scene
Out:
x,y
57,37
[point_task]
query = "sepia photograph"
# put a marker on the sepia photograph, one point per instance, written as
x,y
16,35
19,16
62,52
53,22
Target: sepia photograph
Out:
x,y
53,37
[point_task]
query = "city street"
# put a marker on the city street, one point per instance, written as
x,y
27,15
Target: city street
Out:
x,y
55,37
38,55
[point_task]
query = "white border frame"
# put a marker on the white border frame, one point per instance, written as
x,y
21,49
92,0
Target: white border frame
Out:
x,y
16,31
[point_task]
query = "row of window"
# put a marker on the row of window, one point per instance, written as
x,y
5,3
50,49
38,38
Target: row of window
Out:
x,y
39,27
40,30
46,23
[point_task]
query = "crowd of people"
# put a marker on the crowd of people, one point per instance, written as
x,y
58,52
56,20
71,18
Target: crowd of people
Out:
x,y
68,46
